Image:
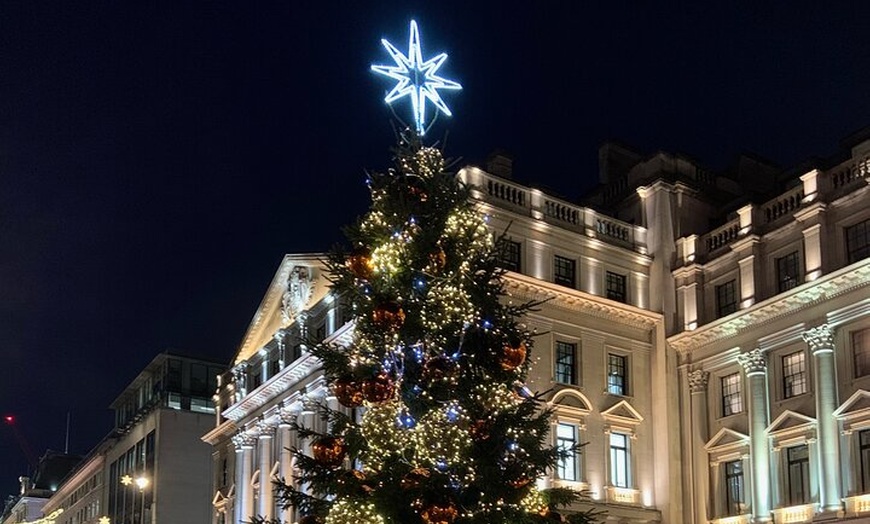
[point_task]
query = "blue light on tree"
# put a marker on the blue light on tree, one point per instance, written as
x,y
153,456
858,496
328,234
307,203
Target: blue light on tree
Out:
x,y
416,78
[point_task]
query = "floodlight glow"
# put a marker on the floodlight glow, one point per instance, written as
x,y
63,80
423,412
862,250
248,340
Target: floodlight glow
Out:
x,y
416,79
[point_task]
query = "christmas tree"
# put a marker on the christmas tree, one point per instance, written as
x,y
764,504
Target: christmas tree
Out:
x,y
437,426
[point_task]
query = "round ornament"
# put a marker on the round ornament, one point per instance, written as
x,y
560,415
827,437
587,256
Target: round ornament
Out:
x,y
348,392
360,264
438,368
479,430
417,189
439,514
388,315
520,482
438,259
329,451
414,478
379,388
513,356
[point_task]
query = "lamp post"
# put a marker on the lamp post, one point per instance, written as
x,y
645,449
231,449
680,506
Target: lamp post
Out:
x,y
142,483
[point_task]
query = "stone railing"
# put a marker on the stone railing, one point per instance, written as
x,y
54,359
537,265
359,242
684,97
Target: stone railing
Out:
x,y
848,174
541,206
721,236
783,205
736,519
857,505
616,495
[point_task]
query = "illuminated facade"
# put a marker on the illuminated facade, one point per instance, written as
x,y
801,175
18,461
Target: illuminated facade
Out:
x,y
717,374
152,467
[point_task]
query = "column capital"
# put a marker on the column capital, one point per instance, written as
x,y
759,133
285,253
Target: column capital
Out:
x,y
243,441
754,362
698,380
265,429
287,417
820,339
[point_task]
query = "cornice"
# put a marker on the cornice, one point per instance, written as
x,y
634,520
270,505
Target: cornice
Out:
x,y
524,288
275,386
224,431
845,280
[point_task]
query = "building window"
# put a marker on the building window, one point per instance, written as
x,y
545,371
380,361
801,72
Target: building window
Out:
x,y
726,298
861,352
858,241
564,271
798,472
732,401
510,255
566,363
794,375
787,272
619,460
734,500
864,451
616,376
566,441
616,286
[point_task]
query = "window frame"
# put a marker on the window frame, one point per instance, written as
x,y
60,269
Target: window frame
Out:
x,y
615,452
722,292
860,370
730,390
569,267
575,459
803,465
734,506
572,367
511,256
615,387
855,232
788,271
619,291
795,381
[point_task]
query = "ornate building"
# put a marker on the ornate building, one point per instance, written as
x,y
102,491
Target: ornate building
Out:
x,y
710,344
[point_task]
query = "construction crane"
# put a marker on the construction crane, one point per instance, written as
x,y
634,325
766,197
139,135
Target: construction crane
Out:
x,y
22,442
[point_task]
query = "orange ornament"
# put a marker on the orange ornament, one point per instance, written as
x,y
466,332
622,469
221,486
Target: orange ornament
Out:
x,y
348,392
438,259
439,514
513,356
379,388
388,315
360,264
329,451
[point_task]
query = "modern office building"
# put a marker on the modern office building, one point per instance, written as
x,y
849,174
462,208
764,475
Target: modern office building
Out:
x,y
153,467
707,336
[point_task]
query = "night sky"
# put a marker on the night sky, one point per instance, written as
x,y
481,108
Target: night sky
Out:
x,y
157,161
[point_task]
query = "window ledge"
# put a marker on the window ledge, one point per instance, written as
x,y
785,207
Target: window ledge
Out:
x,y
736,519
857,505
615,495
576,485
801,513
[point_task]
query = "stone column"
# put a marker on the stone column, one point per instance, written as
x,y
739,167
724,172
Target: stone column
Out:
x,y
266,507
701,473
240,381
244,502
821,343
285,459
718,506
755,366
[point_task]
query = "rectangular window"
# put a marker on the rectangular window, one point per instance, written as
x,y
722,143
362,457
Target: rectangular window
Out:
x,y
510,255
566,363
787,272
616,376
199,380
732,401
864,451
858,241
616,286
173,375
726,298
566,439
564,271
174,401
734,487
798,471
619,460
861,352
794,375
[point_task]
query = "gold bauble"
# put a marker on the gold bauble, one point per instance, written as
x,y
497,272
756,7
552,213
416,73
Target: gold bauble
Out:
x,y
360,265
438,259
329,451
513,356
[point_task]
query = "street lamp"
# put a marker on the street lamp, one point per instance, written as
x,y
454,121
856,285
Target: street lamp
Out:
x,y
142,483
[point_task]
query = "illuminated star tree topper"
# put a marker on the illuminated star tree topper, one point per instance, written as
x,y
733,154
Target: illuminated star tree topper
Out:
x,y
416,78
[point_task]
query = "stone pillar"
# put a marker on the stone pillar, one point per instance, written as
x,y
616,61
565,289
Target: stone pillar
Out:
x,y
701,473
821,343
240,381
266,507
244,502
755,366
777,480
850,467
718,506
285,460
281,339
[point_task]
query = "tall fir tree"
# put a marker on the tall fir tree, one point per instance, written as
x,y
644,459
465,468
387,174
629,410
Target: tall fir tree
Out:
x,y
437,425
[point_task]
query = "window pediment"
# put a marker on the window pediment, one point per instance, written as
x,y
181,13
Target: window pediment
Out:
x,y
855,407
572,400
726,440
790,422
622,413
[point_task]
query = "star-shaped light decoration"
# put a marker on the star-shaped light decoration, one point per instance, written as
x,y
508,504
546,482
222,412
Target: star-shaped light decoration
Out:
x,y
416,79
105,520
126,480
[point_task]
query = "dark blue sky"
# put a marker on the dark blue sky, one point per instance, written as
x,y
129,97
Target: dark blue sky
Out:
x,y
156,161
